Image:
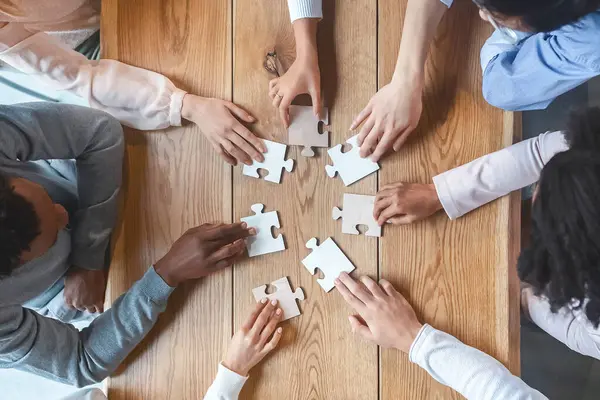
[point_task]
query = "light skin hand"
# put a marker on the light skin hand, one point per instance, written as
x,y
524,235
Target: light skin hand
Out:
x,y
202,251
404,203
257,337
383,314
303,76
85,289
219,121
389,118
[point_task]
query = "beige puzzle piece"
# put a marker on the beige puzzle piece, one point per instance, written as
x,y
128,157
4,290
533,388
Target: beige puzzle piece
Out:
x,y
357,210
284,295
304,129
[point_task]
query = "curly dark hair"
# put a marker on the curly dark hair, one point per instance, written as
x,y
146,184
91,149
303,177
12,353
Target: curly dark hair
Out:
x,y
542,15
562,261
19,226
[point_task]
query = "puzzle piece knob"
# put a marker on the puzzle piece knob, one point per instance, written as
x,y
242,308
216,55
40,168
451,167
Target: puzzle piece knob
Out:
x,y
336,213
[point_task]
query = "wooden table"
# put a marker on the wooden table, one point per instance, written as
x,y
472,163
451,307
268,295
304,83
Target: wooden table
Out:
x,y
459,275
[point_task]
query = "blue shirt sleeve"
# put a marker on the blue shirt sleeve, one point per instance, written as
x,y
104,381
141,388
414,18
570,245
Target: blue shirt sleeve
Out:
x,y
541,67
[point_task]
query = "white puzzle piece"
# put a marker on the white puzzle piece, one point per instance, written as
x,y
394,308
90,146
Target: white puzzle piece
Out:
x,y
329,259
350,166
263,242
304,129
284,295
274,162
357,210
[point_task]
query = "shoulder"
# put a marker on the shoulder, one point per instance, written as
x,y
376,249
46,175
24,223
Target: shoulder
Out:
x,y
581,39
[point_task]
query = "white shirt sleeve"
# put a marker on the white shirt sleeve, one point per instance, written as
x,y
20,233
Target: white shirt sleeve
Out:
x,y
305,9
570,327
137,97
470,372
226,386
472,185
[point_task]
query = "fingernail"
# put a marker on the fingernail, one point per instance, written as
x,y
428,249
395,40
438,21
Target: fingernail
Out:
x,y
252,231
274,302
336,281
279,330
264,300
278,312
244,225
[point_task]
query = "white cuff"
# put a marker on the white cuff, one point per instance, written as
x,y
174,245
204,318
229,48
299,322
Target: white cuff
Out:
x,y
417,345
176,105
227,385
305,9
443,192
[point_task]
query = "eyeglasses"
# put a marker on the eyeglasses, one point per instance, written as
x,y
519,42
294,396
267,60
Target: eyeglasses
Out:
x,y
508,33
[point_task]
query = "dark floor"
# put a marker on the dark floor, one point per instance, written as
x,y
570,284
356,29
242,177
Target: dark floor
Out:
x,y
546,364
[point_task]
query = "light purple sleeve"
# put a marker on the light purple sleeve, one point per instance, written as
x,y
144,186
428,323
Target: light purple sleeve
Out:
x,y
487,178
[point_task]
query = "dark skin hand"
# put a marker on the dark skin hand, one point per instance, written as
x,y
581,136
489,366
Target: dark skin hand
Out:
x,y
85,289
202,251
404,203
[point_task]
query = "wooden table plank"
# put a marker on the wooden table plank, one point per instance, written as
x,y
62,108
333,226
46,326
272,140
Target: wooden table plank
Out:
x,y
457,274
318,357
173,181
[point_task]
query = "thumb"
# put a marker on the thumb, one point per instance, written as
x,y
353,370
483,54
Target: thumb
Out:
x,y
358,327
316,101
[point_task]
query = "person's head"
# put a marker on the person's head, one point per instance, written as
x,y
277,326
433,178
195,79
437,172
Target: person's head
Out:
x,y
29,222
536,15
562,261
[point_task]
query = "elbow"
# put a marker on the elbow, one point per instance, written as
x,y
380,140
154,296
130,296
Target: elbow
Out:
x,y
112,132
87,375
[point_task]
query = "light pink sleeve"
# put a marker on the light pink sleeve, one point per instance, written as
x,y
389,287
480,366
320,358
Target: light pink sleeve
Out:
x,y
472,185
138,98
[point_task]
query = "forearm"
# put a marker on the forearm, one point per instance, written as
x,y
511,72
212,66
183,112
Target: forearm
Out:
x,y
487,178
420,24
138,98
467,370
28,341
305,34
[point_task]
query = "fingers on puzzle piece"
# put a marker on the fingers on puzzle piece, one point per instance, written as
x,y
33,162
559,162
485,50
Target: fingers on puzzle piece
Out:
x,y
263,242
358,210
284,295
349,165
304,129
274,162
330,259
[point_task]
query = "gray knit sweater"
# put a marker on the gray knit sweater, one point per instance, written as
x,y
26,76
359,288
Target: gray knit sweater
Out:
x,y
28,340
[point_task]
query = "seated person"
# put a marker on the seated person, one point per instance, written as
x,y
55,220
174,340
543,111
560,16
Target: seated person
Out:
x,y
383,316
560,265
55,225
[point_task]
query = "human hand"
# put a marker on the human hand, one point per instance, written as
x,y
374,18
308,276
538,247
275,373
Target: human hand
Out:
x,y
217,121
303,76
384,316
404,203
85,289
251,343
202,251
389,118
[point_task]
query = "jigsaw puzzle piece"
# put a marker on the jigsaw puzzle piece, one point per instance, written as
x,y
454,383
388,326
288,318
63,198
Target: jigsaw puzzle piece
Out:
x,y
358,210
284,295
263,242
304,129
274,162
329,259
350,165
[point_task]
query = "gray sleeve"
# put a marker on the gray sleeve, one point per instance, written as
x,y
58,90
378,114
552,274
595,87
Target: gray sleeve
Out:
x,y
41,131
52,349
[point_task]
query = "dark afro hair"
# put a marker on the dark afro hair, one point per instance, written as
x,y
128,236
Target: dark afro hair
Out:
x,y
562,261
542,15
19,226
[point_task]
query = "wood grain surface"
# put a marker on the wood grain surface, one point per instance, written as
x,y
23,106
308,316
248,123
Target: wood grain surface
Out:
x,y
458,274
315,345
455,273
174,181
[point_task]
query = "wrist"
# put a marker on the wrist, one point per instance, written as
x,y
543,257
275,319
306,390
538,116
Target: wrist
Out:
x,y
435,199
163,271
305,34
412,332
189,105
